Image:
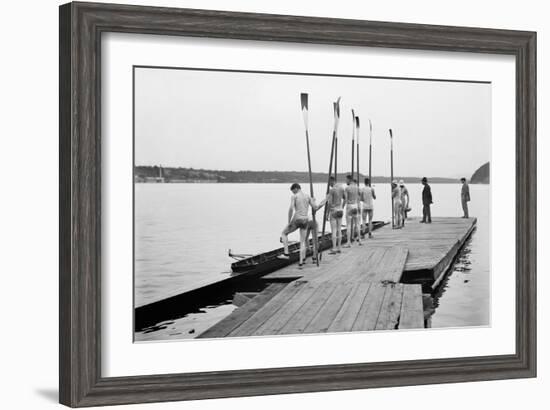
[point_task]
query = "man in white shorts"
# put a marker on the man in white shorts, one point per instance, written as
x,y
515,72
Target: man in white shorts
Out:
x,y
404,201
397,205
367,197
335,202
351,196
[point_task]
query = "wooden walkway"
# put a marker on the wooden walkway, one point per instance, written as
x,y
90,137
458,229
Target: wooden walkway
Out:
x,y
357,290
431,249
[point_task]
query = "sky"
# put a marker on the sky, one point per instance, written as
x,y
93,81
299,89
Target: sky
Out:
x,y
253,121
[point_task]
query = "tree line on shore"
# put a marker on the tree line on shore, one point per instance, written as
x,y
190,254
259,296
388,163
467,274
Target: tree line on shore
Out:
x,y
179,174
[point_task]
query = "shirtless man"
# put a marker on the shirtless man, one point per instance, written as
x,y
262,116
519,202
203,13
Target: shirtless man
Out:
x,y
351,196
367,197
298,219
335,202
397,205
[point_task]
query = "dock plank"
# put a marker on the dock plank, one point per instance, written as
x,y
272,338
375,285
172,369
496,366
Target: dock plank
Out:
x,y
369,312
412,310
328,312
367,270
276,322
301,319
389,268
249,326
346,316
391,307
241,314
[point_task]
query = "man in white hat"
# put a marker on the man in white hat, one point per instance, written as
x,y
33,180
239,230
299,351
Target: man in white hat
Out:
x,y
397,204
404,199
351,200
367,197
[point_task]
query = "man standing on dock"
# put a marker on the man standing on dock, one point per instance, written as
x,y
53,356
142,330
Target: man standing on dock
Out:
x,y
335,201
397,205
298,219
465,197
367,197
351,195
405,199
427,201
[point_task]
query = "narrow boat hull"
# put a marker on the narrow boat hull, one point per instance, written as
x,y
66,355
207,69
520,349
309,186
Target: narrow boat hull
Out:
x,y
268,262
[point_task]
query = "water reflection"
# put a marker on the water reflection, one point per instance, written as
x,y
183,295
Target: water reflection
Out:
x,y
457,284
432,300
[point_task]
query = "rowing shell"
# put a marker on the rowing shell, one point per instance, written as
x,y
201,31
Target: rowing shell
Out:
x,y
269,261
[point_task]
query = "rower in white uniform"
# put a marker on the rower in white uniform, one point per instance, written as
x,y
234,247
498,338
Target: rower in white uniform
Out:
x,y
351,196
367,197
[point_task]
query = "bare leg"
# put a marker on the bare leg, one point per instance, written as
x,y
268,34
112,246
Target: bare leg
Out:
x,y
306,240
284,238
357,228
339,234
370,214
397,209
349,223
315,239
303,244
334,232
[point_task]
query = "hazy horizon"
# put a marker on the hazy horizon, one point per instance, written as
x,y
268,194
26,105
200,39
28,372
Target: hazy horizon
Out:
x,y
341,173
239,121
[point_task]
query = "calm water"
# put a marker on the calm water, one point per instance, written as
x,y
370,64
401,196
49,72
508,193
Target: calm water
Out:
x,y
183,233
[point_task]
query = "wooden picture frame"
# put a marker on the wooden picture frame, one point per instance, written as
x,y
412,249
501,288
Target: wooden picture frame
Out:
x,y
81,27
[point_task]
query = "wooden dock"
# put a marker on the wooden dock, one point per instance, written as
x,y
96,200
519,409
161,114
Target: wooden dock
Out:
x,y
432,248
358,290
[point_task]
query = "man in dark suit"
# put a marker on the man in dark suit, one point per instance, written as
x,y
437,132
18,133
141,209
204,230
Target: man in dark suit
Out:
x,y
426,202
465,197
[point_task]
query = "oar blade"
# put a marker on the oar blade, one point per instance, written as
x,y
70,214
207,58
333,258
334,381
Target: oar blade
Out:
x,y
304,104
353,122
336,108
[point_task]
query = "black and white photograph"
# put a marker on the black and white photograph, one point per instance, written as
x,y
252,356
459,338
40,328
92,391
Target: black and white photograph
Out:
x,y
276,203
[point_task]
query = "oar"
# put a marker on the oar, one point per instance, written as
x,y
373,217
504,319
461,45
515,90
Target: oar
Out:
x,y
336,152
391,177
358,199
357,132
370,152
303,98
336,107
352,142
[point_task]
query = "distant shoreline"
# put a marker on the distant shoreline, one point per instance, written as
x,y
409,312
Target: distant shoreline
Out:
x,y
155,174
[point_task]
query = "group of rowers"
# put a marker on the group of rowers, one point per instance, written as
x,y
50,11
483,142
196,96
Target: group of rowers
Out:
x,y
357,204
352,200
